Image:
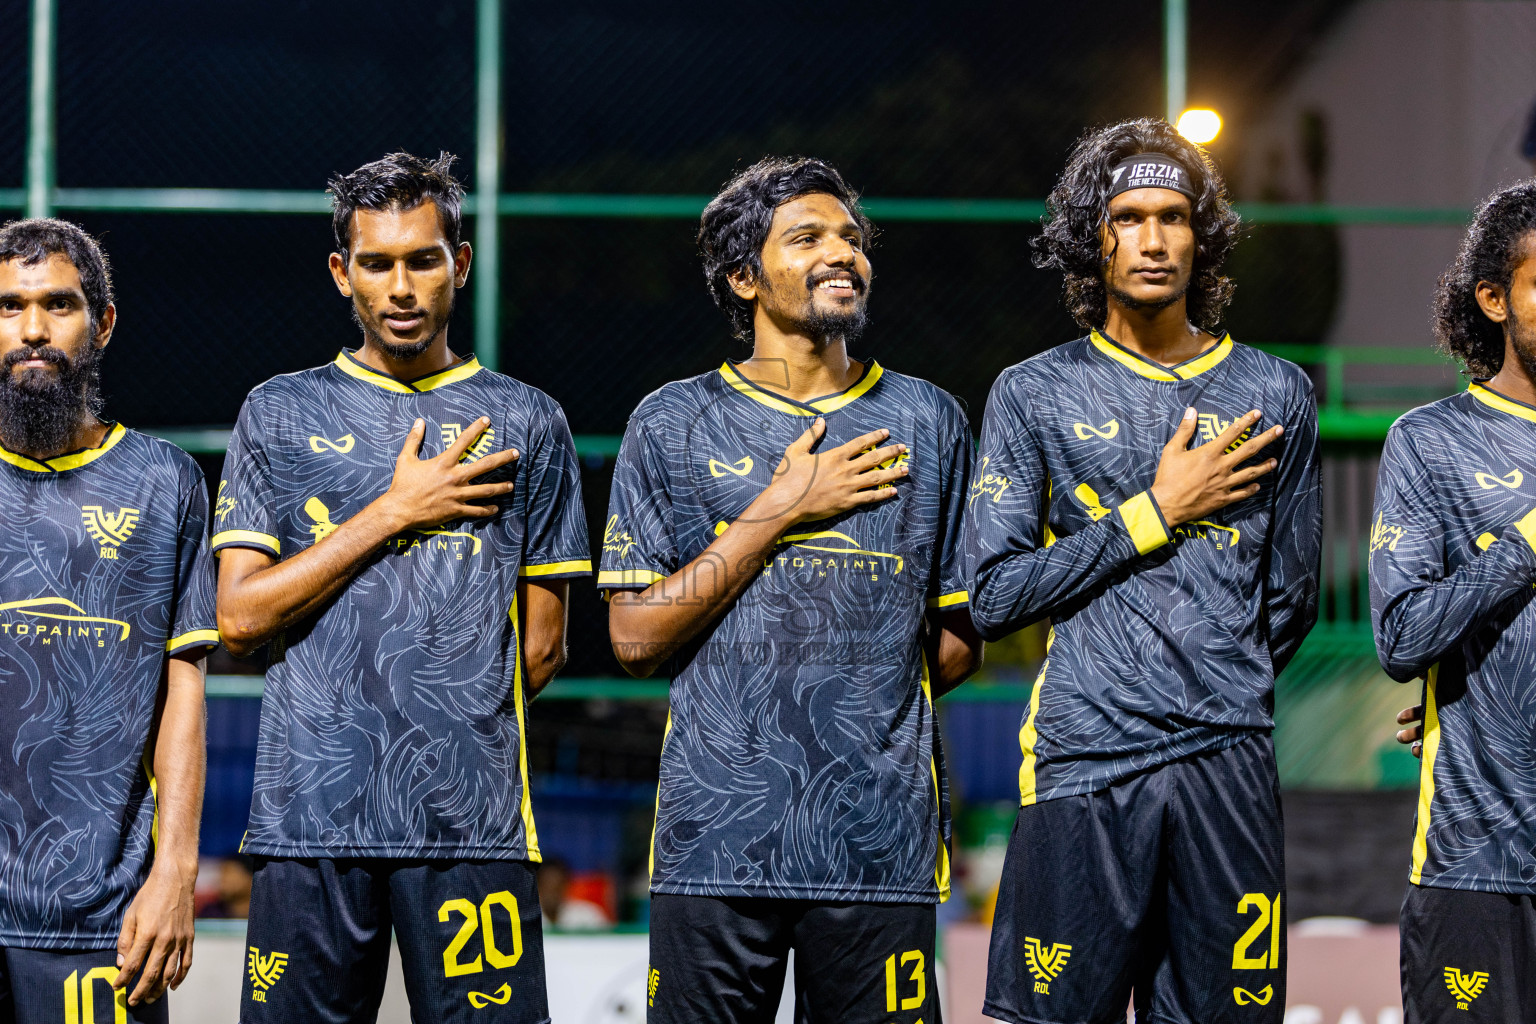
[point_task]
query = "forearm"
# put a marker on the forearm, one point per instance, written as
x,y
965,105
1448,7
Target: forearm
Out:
x,y
1027,586
541,631
956,652
257,606
1418,627
647,627
180,765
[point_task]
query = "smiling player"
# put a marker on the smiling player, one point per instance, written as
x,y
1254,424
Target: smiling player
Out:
x,y
106,612
783,534
413,605
1179,581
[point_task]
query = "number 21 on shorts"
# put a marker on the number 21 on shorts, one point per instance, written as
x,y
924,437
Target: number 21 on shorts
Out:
x,y
1267,923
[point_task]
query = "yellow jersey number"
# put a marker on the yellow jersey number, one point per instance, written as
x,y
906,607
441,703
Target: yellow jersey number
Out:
x,y
895,1000
480,919
1267,921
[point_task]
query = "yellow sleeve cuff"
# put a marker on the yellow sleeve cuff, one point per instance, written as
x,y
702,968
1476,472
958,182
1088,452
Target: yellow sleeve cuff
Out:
x,y
1526,524
1144,521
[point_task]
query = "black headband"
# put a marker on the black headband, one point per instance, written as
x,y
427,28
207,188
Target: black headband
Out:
x,y
1150,170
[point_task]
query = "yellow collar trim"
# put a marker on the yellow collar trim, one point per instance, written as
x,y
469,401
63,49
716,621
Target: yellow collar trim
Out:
x,y
73,460
830,403
350,366
1494,400
1154,371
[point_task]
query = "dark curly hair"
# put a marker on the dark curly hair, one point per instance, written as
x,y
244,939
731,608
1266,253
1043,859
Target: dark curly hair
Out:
x,y
32,241
1495,245
399,181
1077,208
734,227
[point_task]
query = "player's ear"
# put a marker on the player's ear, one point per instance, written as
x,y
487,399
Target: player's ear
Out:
x,y
339,274
743,283
461,260
104,328
1493,301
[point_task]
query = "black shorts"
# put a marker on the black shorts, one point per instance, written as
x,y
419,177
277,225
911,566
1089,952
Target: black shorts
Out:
x,y
40,986
722,961
1169,884
1468,956
317,945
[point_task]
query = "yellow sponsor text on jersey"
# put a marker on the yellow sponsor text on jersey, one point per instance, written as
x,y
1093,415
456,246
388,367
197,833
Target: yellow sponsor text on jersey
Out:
x,y
480,1000
616,539
110,529
223,505
1107,432
77,624
265,971
478,450
1224,537
456,542
836,551
1262,997
741,467
1488,481
991,485
342,445
1385,535
1465,987
322,526
1045,962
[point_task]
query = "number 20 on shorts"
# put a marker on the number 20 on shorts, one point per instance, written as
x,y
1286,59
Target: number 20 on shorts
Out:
x,y
480,919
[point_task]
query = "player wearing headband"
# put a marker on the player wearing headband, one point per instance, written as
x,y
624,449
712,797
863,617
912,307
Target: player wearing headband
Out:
x,y
1152,490
784,533
1453,563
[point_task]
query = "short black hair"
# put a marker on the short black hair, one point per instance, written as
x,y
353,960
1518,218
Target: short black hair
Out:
x,y
1496,243
734,227
34,240
1078,206
399,181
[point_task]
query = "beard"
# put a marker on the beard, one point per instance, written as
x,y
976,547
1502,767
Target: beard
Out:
x,y
1522,336
41,412
373,333
1130,302
846,325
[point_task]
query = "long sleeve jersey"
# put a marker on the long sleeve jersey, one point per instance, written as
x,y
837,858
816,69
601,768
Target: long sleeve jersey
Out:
x,y
1452,574
1165,642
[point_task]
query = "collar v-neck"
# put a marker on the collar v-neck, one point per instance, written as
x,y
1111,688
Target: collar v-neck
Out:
x,y
1139,363
1494,400
350,365
69,460
817,406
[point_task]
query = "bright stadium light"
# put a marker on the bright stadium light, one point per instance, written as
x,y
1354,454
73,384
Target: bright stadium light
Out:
x,y
1199,125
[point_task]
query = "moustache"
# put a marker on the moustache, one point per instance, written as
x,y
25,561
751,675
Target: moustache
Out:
x,y
859,284
47,353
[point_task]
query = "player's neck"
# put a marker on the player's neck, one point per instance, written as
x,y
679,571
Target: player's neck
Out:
x,y
435,359
799,367
1164,335
1512,380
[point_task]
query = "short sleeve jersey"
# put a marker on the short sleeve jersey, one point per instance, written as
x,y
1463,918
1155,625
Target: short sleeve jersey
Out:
x,y
1164,643
105,570
801,757
392,721
1453,569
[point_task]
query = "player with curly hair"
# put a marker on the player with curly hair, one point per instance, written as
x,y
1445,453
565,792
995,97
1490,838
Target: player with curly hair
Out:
x,y
1147,855
1453,564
